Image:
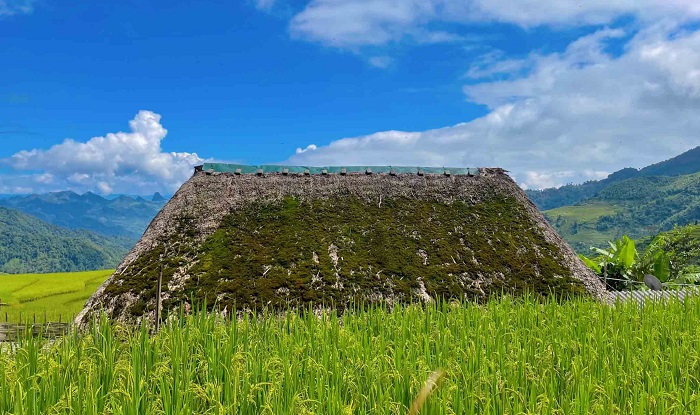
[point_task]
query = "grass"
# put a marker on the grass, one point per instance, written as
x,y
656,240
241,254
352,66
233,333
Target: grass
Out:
x,y
50,296
583,213
507,356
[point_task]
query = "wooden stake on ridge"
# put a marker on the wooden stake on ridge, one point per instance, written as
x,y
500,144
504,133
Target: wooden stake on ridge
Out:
x,y
605,275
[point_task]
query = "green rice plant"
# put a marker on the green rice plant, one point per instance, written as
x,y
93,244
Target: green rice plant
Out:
x,y
507,356
47,296
429,387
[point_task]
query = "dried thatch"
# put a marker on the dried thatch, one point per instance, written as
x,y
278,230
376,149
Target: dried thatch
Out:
x,y
288,240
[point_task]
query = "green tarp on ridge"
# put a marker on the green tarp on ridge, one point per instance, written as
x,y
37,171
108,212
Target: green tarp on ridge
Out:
x,y
269,168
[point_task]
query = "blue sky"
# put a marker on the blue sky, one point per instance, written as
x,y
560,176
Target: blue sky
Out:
x,y
554,91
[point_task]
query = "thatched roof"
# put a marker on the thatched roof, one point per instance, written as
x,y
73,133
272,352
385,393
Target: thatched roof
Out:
x,y
281,240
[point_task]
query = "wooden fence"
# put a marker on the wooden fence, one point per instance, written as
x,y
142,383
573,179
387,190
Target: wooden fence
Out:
x,y
642,296
12,332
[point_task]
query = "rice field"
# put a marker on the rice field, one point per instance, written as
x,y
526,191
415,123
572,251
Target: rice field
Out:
x,y
508,356
50,297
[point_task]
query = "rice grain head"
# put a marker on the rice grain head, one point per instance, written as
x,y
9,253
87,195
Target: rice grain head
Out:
x,y
430,385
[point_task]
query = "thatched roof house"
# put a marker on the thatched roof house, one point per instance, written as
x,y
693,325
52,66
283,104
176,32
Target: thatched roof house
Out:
x,y
269,236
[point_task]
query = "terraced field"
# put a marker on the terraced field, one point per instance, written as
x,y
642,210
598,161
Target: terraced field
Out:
x,y
48,296
579,224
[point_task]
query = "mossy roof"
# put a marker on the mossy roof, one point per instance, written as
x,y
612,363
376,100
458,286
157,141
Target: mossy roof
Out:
x,y
293,240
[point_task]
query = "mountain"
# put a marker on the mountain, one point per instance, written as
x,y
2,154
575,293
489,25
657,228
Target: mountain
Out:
x,y
157,197
639,207
29,245
686,163
122,216
574,193
637,203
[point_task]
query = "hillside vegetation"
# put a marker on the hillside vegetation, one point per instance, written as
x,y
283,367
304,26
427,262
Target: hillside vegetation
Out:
x,y
123,216
547,199
682,245
637,203
672,257
28,244
50,296
639,207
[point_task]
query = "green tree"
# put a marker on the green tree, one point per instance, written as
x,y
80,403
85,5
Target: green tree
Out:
x,y
621,266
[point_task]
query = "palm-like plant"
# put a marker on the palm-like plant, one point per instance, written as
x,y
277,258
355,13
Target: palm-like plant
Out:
x,y
621,265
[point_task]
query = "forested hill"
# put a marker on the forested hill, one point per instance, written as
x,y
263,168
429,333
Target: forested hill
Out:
x,y
122,216
29,245
684,164
638,207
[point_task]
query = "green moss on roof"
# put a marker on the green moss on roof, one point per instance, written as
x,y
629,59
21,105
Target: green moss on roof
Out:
x,y
284,241
333,252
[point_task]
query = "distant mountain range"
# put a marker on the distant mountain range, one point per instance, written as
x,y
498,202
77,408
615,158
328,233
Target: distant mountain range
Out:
x,y
157,196
638,203
686,163
122,216
29,245
65,231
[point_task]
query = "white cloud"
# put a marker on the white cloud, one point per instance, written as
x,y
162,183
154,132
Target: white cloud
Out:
x,y
128,162
349,23
493,63
584,56
381,62
528,13
310,147
105,188
46,178
356,23
572,117
264,4
12,7
544,180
